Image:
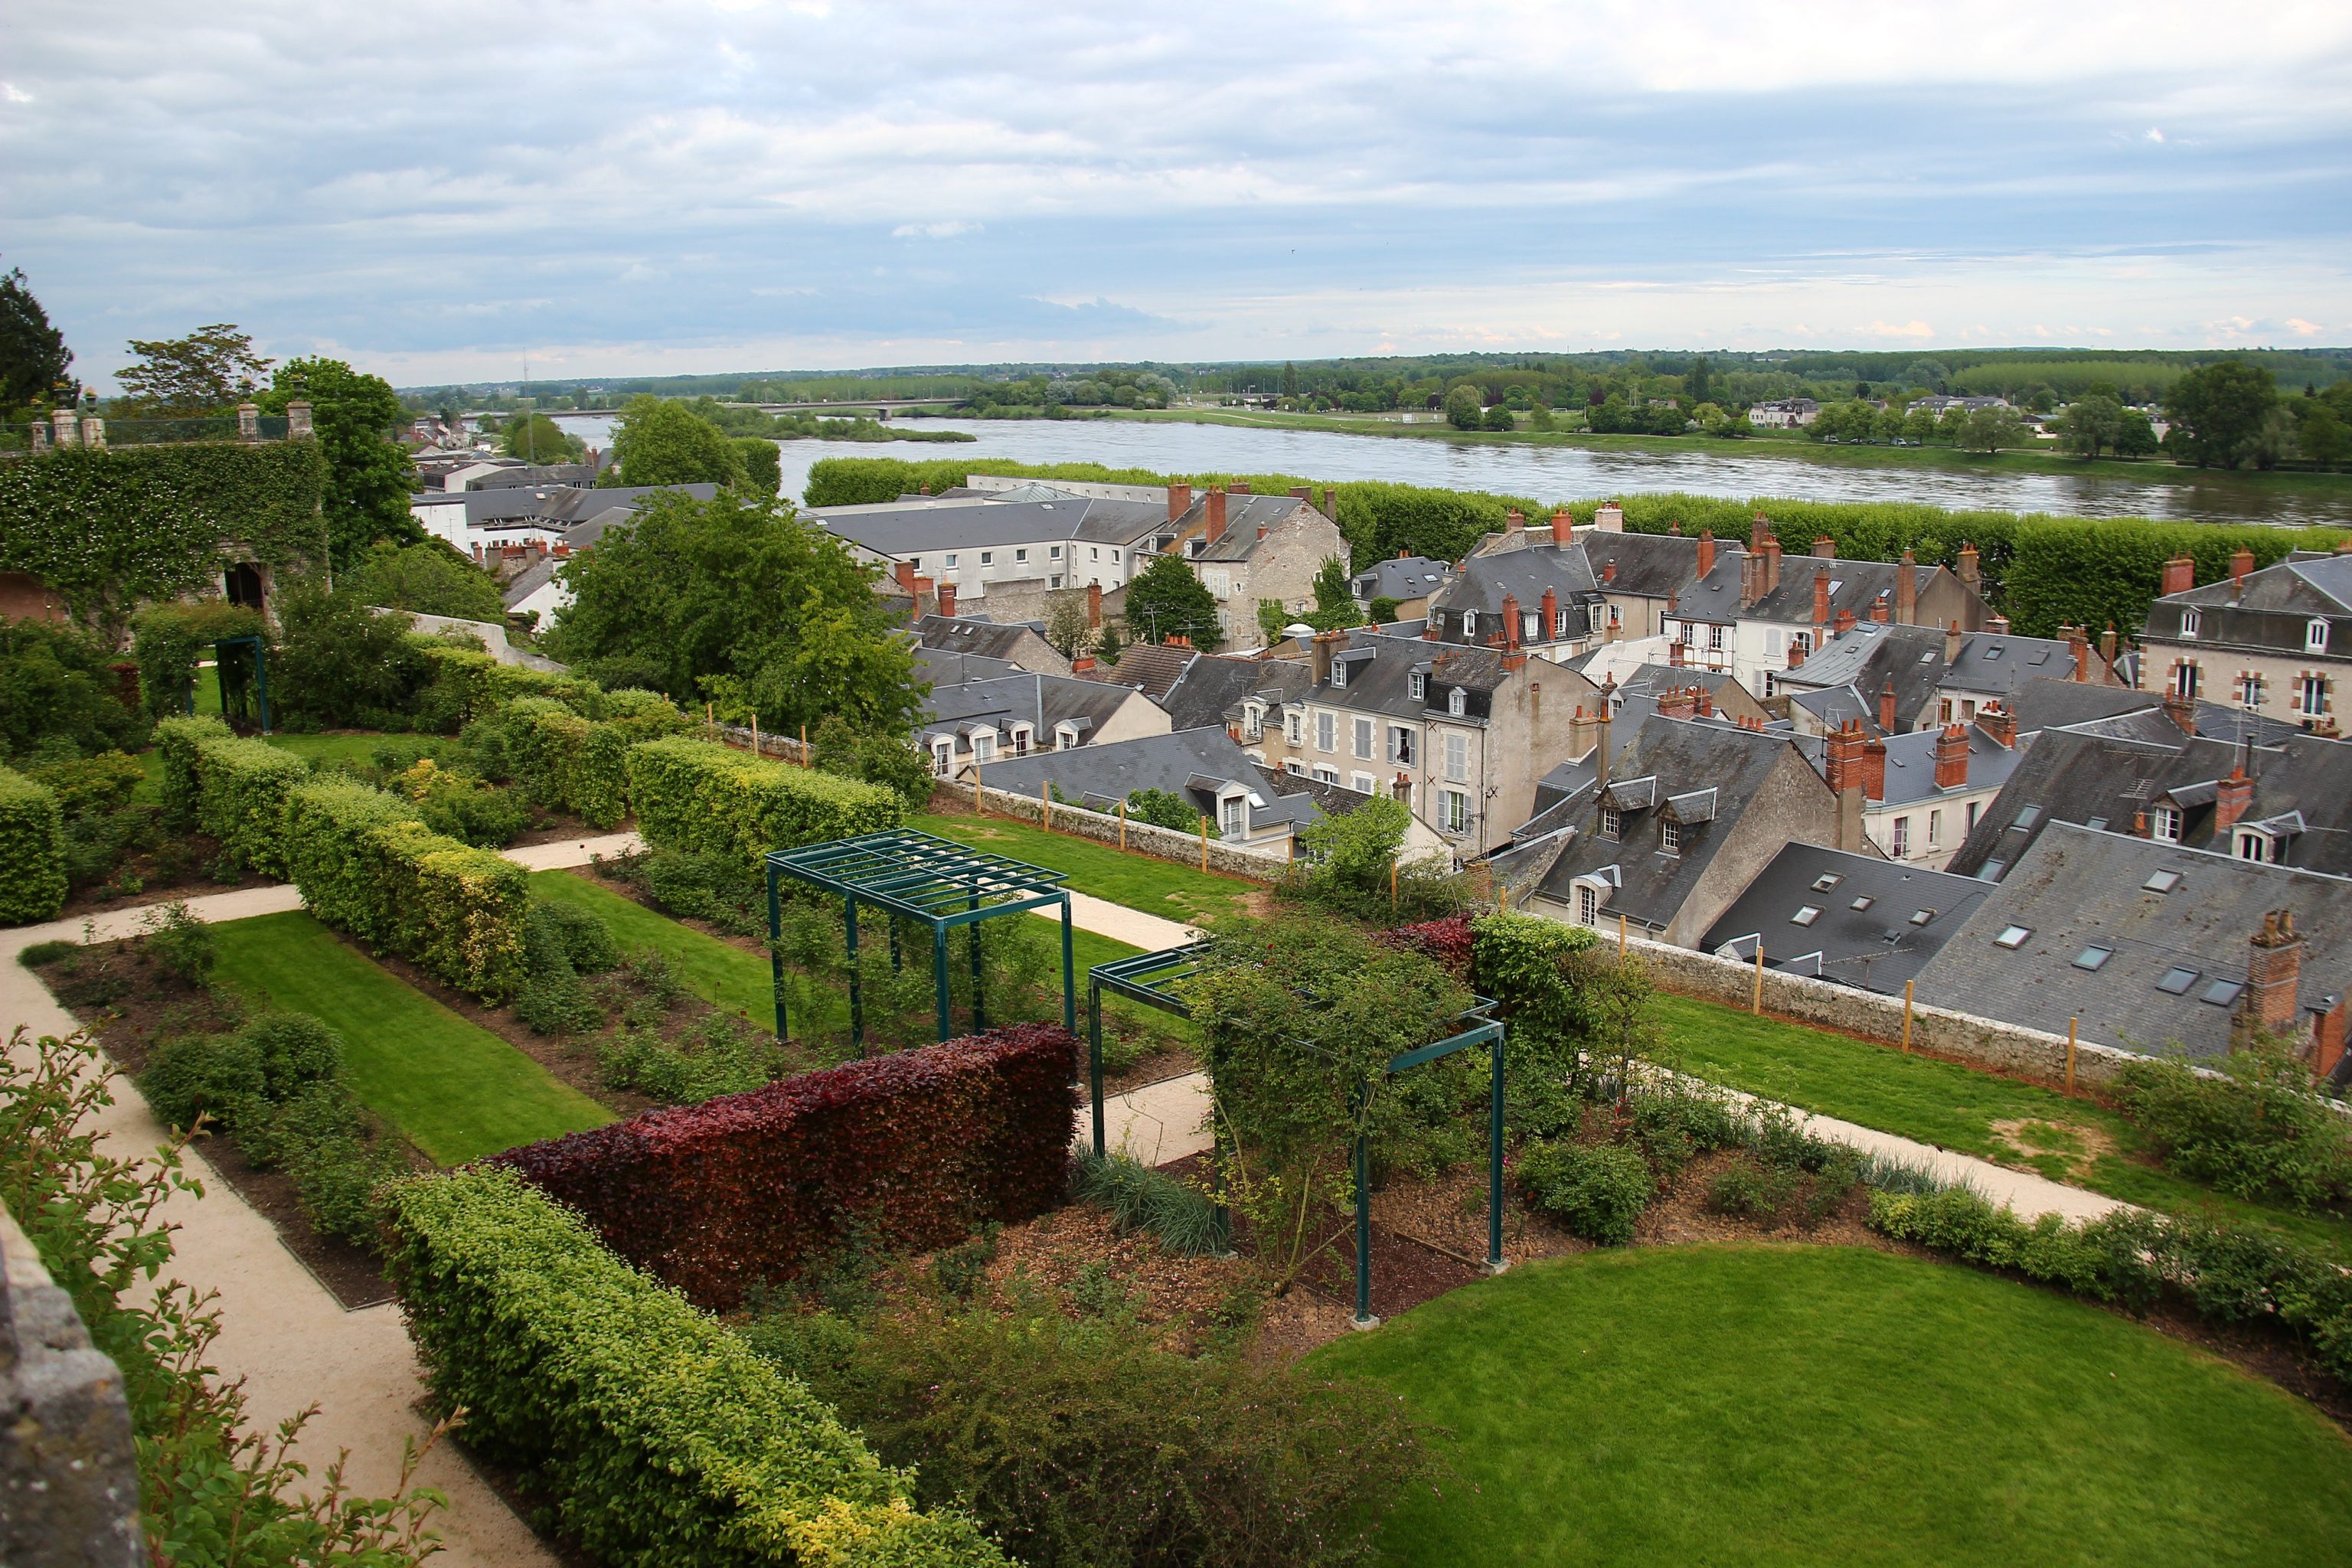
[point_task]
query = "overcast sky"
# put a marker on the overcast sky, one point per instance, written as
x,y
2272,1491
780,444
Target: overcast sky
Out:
x,y
440,191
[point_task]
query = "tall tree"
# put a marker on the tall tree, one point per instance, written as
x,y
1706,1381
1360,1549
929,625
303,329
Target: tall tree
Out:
x,y
33,354
661,442
2220,411
210,371
2092,422
739,590
1165,600
536,438
369,474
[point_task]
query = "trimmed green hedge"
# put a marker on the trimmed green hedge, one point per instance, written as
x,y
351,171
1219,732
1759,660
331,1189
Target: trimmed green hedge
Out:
x,y
466,684
365,866
547,746
709,799
662,1438
234,790
578,764
32,851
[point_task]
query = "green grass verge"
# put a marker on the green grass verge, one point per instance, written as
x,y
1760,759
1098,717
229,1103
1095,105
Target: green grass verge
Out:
x,y
1949,1105
1803,1406
453,1090
1104,871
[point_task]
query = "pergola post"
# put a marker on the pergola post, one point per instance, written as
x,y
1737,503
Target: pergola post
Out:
x,y
1363,1151
1070,991
939,974
1094,1035
1496,1263
978,1003
260,681
776,948
857,1005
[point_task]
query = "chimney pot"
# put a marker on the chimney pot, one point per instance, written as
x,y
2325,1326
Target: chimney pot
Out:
x,y
1878,610
905,573
1820,598
1969,572
1824,547
948,600
1887,708
1550,628
2242,561
2233,797
1180,500
2078,645
2275,973
1952,757
1216,514
1563,527
1998,722
1906,590
1845,620
2179,575
1953,638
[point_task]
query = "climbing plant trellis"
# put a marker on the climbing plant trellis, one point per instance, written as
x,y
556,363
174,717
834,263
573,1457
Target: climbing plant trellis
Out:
x,y
926,880
1154,979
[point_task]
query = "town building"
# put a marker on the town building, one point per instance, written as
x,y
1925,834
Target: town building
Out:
x,y
1566,591
1861,921
1408,581
1897,677
2275,641
979,722
1784,413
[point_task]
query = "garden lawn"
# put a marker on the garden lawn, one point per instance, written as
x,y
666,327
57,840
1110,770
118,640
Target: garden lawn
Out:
x,y
1811,1405
2074,1140
453,1090
1105,871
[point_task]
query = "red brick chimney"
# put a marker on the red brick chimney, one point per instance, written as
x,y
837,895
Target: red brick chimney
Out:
x,y
1844,745
1239,488
2078,644
1824,547
1795,654
1706,701
1563,527
2233,798
1303,492
1094,606
2275,973
1321,651
1609,572
2179,575
1705,550
1906,590
1757,533
1180,500
1771,563
2242,561
1678,702
1082,664
1550,627
1216,513
1968,571
1886,707
2181,711
1953,638
1878,610
1998,722
1846,620
1820,598
1952,757
904,571
1513,521
1675,653
1872,763
1510,620
947,600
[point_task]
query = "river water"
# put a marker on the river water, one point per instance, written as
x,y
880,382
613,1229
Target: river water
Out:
x,y
1554,473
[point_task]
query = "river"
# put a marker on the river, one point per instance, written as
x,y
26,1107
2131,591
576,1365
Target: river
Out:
x,y
1555,473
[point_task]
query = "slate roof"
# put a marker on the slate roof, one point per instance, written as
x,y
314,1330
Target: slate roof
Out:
x,y
1864,660
977,634
1149,668
1413,577
1207,688
1836,706
2269,610
1649,565
1181,762
1379,677
1877,947
1998,663
2078,889
1911,764
1854,585
528,581
1044,701
558,507
1245,515
947,666
907,528
2080,775
1674,756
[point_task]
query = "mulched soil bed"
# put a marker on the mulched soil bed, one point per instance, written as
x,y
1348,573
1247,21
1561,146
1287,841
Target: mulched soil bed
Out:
x,y
194,850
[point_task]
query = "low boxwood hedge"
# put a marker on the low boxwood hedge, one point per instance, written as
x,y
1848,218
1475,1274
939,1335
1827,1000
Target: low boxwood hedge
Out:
x,y
661,1436
32,851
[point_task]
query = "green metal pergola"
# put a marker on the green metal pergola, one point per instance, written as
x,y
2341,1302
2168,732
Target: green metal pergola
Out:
x,y
926,880
1148,978
260,675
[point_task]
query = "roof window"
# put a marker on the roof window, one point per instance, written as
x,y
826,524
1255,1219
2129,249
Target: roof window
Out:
x,y
2097,825
1806,915
2223,993
1863,902
2013,937
2093,957
2176,981
2162,883
2027,817
1992,871
1921,916
1826,880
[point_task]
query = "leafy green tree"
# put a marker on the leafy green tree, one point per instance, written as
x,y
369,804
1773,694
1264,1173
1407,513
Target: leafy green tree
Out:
x,y
1541,420
1383,611
338,662
660,442
2322,434
1463,409
763,465
892,761
536,438
1165,600
1699,382
2093,422
740,588
58,697
427,578
1165,808
1065,622
1332,589
1990,429
1271,619
209,370
369,474
2135,435
2219,412
33,354
1498,418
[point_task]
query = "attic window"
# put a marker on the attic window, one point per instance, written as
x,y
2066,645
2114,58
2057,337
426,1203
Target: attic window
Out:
x,y
2013,937
1921,916
2096,825
1339,673
1994,652
2091,958
1927,657
1863,902
1457,702
2027,817
2040,658
2176,981
1419,685
1805,916
1826,880
2162,883
1836,583
2223,993
1992,871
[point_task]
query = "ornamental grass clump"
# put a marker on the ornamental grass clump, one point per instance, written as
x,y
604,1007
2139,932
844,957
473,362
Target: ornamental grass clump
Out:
x,y
1139,1197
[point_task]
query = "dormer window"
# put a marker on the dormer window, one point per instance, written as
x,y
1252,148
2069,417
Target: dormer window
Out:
x,y
1020,733
1418,684
1457,702
1469,623
1531,627
1670,837
1066,737
1559,625
1612,821
2191,622
942,758
1339,673
2315,636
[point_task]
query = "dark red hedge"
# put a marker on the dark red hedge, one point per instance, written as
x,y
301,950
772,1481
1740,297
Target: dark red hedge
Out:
x,y
1447,940
921,1146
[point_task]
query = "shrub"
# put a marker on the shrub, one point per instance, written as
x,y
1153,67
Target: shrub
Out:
x,y
340,1182
58,693
720,1055
234,790
584,941
662,1438
1596,1190
458,806
889,760
341,663
41,954
1141,1198
33,882
1525,963
1447,940
558,1004
921,1146
710,799
181,943
1751,1191
2256,1132
365,867
239,1079
547,744
90,784
316,1112
463,684
1675,1120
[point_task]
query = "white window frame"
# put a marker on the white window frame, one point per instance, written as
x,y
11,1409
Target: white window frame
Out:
x,y
1022,735
2185,679
2310,694
1469,623
1612,824
942,758
1326,773
2164,823
1232,816
1455,811
1670,837
2314,635
1457,702
1935,829
1054,553
1327,732
1363,783
1898,838
983,746
2191,623
1402,749
1339,675
951,559
988,558
1066,737
2252,846
1364,738
1020,556
1417,684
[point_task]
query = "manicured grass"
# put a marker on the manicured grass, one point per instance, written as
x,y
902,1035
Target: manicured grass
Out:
x,y
1159,887
456,1090
1945,1104
1805,1406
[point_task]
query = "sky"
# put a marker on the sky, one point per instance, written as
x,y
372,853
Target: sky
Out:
x,y
441,192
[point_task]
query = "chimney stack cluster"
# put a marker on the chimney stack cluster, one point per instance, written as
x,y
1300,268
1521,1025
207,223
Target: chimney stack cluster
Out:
x,y
1906,590
1998,722
2275,973
2179,575
1856,761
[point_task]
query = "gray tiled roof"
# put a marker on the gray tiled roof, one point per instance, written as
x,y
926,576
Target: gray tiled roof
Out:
x,y
1207,688
1044,701
976,633
2078,889
1099,776
1854,585
1877,947
903,529
945,667
1245,515
1149,668
1408,577
1911,764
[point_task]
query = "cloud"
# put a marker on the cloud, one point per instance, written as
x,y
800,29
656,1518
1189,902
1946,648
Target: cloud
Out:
x,y
947,230
2304,329
13,94
2154,134
1907,330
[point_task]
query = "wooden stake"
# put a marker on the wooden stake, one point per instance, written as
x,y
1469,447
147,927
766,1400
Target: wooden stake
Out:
x,y
1122,824
1205,844
1392,885
1756,1005
709,719
1906,1015
755,734
976,804
1046,802
2072,1023
1620,937
804,750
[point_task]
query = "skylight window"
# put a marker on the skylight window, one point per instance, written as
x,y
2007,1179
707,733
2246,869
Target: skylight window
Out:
x,y
1921,916
1836,583
2162,883
1805,916
1992,871
2027,817
1826,880
1995,651
2096,825
2093,957
1927,657
2176,981
2223,993
2013,937
1863,902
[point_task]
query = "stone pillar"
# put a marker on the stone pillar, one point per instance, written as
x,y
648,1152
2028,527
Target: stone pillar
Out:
x,y
67,425
93,432
298,420
248,422
40,430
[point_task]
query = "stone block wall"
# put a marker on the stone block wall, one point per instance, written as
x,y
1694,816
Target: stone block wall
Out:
x,y
68,1475
1142,838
